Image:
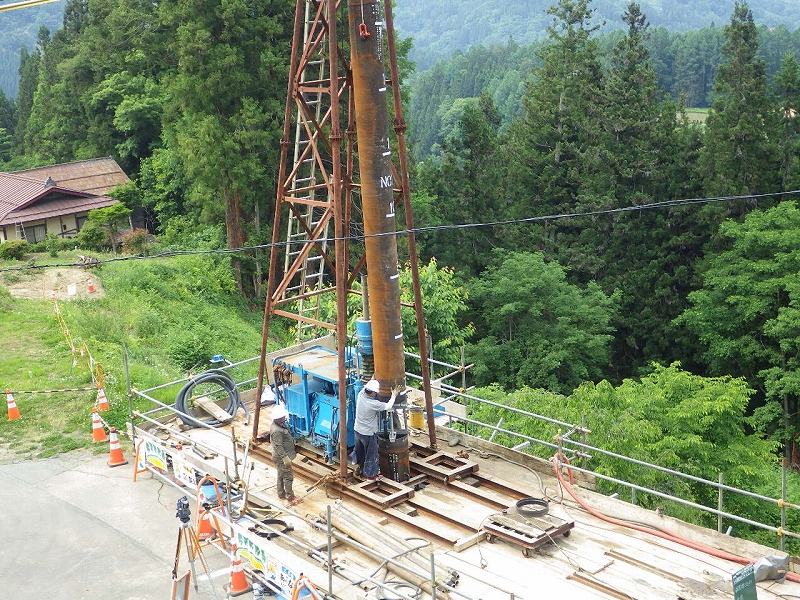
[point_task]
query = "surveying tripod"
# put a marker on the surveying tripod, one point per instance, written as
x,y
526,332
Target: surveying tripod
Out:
x,y
188,535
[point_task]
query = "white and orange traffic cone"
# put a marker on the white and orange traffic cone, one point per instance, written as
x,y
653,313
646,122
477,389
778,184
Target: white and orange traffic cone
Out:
x,y
102,401
90,285
98,431
13,411
238,583
116,459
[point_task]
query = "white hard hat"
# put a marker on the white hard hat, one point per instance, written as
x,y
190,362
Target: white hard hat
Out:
x,y
373,385
279,412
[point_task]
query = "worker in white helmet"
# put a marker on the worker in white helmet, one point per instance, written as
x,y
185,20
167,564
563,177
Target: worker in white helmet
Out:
x,y
283,451
367,424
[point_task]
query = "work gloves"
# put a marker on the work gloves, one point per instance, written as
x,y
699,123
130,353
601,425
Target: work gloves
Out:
x,y
287,462
390,403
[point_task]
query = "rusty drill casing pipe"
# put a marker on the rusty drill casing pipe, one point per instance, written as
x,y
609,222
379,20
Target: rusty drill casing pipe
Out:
x,y
377,191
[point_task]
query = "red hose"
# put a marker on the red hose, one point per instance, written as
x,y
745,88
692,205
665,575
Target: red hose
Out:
x,y
667,535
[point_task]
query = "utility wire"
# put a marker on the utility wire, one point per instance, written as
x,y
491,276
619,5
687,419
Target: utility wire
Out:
x,y
428,229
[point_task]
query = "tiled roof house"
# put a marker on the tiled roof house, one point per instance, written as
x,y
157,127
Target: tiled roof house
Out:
x,y
56,198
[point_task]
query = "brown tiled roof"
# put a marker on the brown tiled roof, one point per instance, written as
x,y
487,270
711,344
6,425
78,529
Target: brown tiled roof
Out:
x,y
24,199
48,208
96,176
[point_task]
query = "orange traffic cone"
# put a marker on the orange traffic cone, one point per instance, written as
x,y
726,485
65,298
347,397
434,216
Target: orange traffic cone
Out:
x,y
98,432
238,584
205,532
90,285
13,411
102,401
115,456
53,294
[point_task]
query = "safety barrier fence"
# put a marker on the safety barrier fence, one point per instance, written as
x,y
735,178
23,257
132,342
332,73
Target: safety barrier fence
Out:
x,y
265,556
565,444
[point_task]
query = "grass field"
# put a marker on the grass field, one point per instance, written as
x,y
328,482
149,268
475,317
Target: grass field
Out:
x,y
697,115
169,315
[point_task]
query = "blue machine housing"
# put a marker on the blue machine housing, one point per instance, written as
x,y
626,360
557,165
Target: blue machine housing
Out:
x,y
313,401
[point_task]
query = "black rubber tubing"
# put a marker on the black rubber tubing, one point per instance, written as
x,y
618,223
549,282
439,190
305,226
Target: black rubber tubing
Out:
x,y
212,375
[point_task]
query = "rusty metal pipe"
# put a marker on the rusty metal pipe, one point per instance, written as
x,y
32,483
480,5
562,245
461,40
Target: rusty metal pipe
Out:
x,y
377,185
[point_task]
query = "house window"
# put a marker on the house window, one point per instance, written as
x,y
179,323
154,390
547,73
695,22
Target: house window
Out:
x,y
80,222
35,233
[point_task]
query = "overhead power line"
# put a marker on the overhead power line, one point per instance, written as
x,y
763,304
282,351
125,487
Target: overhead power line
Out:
x,y
432,228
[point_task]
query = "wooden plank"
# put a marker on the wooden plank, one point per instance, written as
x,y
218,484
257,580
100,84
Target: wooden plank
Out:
x,y
211,408
523,528
469,541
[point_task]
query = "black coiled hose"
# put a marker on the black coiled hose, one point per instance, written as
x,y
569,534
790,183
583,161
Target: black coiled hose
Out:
x,y
222,379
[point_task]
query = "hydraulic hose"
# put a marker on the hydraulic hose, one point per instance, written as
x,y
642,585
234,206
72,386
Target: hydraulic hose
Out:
x,y
222,379
664,534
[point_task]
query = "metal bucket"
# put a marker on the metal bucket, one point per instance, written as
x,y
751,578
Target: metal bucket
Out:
x,y
393,457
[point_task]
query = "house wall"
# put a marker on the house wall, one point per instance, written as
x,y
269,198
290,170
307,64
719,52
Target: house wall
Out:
x,y
65,226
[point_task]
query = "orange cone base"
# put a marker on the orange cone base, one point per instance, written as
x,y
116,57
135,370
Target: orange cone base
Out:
x,y
233,593
118,463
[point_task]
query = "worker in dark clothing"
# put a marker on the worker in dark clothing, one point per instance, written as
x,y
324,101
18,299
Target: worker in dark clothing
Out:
x,y
367,425
283,451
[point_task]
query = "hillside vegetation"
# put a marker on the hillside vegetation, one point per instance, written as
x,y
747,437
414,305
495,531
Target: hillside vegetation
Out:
x,y
439,27
170,315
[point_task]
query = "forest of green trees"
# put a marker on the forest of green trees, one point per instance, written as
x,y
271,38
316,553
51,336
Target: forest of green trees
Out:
x,y
597,233
439,27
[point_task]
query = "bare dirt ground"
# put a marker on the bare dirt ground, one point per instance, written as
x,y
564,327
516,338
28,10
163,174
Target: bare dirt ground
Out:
x,y
66,283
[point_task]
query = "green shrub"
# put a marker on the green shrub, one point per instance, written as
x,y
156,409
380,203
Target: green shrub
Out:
x,y
93,237
13,249
135,241
189,348
53,244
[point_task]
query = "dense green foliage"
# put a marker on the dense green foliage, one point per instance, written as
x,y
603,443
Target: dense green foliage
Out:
x,y
685,64
179,91
670,417
439,27
540,331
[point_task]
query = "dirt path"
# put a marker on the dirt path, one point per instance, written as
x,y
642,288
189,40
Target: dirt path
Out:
x,y
67,283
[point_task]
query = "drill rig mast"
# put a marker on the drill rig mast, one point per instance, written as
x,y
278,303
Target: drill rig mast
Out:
x,y
344,165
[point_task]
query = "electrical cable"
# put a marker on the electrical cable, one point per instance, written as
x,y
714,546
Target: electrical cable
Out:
x,y
218,377
416,230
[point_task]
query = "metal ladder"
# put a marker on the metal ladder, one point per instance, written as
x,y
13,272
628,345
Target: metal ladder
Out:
x,y
20,231
311,274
